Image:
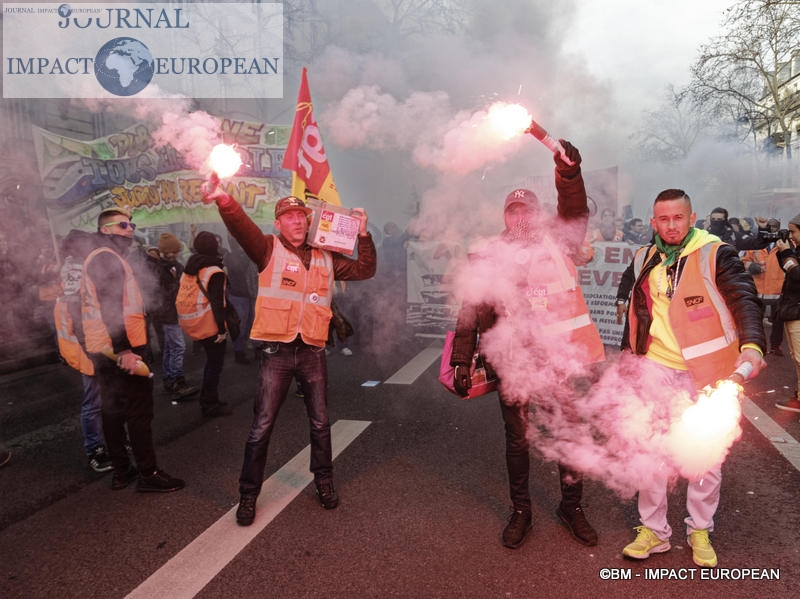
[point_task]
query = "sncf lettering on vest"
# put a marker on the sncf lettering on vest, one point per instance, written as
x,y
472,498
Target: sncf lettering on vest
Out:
x,y
693,300
286,282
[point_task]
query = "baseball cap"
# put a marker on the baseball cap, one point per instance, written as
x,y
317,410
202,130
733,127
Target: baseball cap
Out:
x,y
288,203
522,196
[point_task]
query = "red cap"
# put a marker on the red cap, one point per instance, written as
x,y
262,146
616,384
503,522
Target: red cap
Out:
x,y
522,196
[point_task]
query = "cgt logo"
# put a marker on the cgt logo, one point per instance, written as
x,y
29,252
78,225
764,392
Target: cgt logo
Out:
x,y
694,300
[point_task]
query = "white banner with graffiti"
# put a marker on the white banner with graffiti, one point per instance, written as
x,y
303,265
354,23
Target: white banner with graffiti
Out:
x,y
81,178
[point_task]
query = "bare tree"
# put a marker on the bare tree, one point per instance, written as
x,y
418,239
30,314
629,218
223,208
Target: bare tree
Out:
x,y
741,73
362,25
669,133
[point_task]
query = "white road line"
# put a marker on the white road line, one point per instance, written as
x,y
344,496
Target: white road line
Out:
x,y
780,439
198,563
418,364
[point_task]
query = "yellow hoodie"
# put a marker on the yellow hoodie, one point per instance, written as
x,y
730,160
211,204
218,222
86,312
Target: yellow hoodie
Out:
x,y
664,348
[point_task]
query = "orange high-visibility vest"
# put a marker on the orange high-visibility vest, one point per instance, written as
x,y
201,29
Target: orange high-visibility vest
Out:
x,y
292,300
700,320
194,309
94,329
68,345
769,281
568,314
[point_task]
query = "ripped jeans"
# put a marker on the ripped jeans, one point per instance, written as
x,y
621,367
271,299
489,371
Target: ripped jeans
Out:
x,y
280,363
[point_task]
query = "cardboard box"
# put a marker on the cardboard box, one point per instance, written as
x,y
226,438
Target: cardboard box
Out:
x,y
332,227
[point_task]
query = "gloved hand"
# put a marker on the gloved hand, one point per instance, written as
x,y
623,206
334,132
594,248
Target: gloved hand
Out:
x,y
755,268
571,152
462,381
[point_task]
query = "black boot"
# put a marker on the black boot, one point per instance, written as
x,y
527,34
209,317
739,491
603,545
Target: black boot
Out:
x,y
517,528
569,510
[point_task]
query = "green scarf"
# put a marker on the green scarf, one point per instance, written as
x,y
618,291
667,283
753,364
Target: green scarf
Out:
x,y
671,252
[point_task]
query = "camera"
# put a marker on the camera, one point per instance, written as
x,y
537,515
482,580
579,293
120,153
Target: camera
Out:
x,y
782,234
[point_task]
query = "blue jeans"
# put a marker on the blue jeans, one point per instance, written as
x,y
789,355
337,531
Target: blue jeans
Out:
x,y
91,416
172,350
280,363
245,308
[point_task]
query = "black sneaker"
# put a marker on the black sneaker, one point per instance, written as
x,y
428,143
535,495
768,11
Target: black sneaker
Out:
x,y
182,391
575,520
121,480
99,460
246,512
159,482
327,495
217,409
517,528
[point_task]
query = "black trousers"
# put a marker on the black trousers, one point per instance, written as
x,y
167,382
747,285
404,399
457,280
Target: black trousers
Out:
x,y
126,400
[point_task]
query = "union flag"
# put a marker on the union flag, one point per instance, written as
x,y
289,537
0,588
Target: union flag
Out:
x,y
305,154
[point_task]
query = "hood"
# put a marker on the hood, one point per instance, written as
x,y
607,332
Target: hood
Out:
x,y
700,239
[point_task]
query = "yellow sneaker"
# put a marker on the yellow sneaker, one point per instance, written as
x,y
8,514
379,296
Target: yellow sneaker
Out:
x,y
703,553
646,543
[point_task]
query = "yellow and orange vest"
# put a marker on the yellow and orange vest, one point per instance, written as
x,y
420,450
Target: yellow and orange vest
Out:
x,y
700,320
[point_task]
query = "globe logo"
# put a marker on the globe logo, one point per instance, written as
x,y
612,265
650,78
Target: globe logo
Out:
x,y
64,10
123,66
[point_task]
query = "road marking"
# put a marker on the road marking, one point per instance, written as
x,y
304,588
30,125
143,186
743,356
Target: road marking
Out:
x,y
188,572
787,446
418,364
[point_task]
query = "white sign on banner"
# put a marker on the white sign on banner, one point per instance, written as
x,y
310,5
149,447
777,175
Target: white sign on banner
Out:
x,y
599,279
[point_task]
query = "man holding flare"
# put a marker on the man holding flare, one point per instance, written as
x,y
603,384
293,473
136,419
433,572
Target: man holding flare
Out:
x,y
295,288
695,313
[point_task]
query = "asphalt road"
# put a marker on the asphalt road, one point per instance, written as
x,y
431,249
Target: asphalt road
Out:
x,y
423,501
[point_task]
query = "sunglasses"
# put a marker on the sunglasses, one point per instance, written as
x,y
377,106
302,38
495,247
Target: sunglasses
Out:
x,y
122,224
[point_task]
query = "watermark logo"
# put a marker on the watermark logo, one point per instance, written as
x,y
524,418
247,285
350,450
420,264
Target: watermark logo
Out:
x,y
155,50
124,66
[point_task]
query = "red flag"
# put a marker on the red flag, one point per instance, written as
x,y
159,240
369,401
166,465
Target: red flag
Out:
x,y
305,154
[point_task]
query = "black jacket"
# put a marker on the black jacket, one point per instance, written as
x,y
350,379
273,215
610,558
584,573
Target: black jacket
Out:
x,y
166,277
789,302
733,283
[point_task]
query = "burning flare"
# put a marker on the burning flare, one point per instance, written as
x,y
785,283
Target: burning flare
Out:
x,y
224,160
509,120
707,429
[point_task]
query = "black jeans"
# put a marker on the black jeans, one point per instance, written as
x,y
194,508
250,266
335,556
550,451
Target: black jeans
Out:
x,y
215,360
280,363
126,399
518,462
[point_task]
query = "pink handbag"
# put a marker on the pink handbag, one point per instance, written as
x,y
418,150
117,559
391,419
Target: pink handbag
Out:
x,y
480,384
